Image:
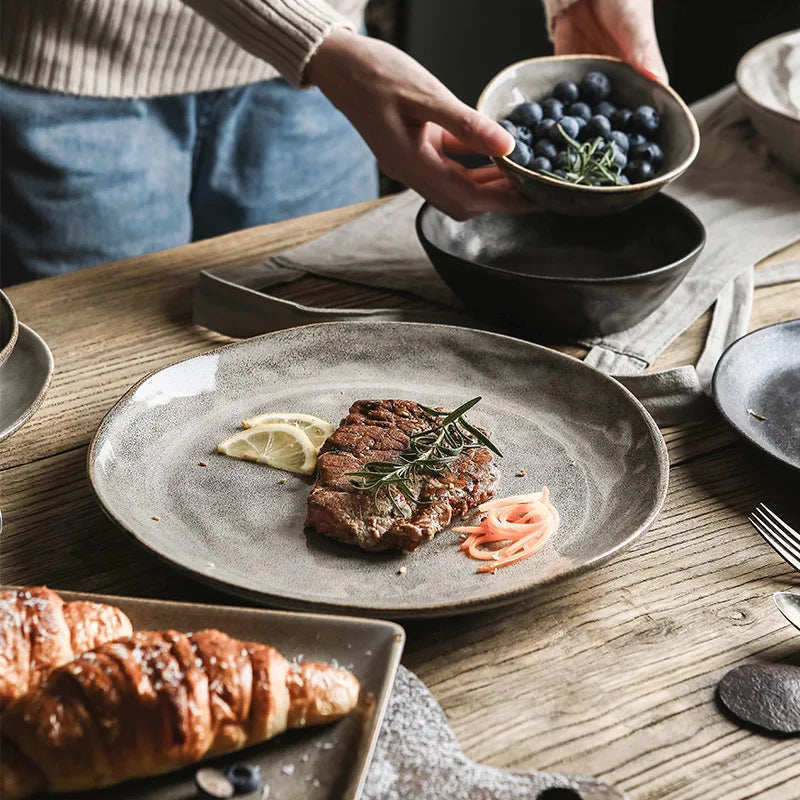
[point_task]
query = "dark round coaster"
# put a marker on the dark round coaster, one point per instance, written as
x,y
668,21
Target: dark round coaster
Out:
x,y
766,695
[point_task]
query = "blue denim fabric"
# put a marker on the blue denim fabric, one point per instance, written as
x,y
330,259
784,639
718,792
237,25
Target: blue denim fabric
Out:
x,y
87,180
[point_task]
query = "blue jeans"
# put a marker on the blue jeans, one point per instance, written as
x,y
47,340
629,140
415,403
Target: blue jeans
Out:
x,y
87,180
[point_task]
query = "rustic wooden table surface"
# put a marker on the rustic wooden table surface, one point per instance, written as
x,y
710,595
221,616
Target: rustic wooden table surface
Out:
x,y
610,673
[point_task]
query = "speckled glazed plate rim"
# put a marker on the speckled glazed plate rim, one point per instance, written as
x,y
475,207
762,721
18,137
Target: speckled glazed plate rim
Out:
x,y
659,180
363,758
8,306
760,333
426,610
747,95
610,279
16,424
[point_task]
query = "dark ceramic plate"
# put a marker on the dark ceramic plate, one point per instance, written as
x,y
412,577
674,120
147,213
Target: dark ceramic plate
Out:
x,y
9,327
24,379
757,389
546,273
328,762
239,525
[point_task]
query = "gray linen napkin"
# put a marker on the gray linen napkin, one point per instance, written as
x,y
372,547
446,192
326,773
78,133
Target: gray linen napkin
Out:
x,y
750,208
417,756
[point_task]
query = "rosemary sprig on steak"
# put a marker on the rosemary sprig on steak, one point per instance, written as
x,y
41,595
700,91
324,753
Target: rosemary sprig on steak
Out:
x,y
429,452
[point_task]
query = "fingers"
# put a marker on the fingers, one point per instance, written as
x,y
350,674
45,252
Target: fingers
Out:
x,y
469,128
622,28
463,193
636,35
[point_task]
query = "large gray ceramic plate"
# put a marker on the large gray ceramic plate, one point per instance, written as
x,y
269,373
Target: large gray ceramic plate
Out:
x,y
237,526
757,389
322,763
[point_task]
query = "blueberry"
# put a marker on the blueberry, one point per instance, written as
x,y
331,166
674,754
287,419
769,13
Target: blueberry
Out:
x,y
595,87
510,127
566,91
521,154
620,119
636,138
244,777
542,130
639,171
618,156
560,173
622,180
524,135
580,110
566,159
597,126
648,151
569,126
212,784
605,109
656,155
620,139
545,149
527,114
552,108
541,165
645,120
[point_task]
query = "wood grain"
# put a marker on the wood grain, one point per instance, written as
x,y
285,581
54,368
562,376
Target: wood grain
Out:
x,y
610,673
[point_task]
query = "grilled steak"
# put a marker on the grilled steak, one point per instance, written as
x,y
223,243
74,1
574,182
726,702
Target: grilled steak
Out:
x,y
379,430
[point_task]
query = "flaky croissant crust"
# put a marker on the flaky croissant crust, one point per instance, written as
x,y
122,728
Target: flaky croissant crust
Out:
x,y
39,631
155,702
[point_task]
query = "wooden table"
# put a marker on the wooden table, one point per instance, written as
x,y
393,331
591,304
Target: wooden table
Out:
x,y
610,673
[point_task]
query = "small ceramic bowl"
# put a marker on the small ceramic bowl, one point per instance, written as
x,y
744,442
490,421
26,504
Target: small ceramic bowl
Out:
x,y
553,275
768,77
9,327
534,79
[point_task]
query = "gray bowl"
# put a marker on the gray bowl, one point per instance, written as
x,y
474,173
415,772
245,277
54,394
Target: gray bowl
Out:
x,y
9,327
534,79
552,275
765,77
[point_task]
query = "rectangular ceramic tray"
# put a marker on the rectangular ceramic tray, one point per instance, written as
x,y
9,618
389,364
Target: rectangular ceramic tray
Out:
x,y
322,763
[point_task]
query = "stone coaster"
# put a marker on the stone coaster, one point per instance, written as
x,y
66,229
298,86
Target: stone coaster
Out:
x,y
417,756
766,695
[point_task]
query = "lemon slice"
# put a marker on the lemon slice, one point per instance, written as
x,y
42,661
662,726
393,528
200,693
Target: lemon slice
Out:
x,y
280,445
318,430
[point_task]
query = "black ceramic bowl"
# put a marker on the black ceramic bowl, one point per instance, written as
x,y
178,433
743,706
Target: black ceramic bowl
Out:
x,y
547,274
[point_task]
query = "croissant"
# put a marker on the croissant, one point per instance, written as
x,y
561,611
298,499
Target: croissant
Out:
x,y
39,631
155,702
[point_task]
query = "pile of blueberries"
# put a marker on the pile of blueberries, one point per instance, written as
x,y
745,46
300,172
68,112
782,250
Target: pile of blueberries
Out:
x,y
581,112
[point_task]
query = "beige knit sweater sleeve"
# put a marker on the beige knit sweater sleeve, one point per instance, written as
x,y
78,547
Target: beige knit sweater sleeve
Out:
x,y
284,33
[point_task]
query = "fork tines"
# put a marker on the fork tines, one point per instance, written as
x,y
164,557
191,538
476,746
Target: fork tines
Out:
x,y
782,538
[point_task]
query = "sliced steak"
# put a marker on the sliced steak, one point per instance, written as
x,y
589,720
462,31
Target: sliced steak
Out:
x,y
380,430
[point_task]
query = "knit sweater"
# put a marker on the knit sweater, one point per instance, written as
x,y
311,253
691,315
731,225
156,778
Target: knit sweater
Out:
x,y
146,48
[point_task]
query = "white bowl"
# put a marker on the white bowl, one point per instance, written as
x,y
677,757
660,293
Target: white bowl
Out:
x,y
768,77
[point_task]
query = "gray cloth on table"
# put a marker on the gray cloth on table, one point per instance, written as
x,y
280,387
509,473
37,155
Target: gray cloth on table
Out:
x,y
749,206
417,756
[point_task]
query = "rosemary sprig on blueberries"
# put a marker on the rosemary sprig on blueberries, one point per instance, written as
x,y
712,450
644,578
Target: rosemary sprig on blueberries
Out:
x,y
578,135
429,452
594,163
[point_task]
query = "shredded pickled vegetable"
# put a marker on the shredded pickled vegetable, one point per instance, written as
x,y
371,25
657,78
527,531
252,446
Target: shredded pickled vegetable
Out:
x,y
513,529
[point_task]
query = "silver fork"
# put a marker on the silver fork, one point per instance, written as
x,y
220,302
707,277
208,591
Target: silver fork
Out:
x,y
782,538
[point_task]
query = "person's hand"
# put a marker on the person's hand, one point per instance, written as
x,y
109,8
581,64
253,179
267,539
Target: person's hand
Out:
x,y
411,121
622,28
